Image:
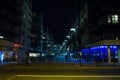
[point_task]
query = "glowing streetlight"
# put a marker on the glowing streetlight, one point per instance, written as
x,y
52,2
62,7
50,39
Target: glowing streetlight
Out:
x,y
73,29
68,37
65,40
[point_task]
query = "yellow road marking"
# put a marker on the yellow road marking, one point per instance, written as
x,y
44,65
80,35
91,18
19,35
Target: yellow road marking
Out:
x,y
68,76
65,76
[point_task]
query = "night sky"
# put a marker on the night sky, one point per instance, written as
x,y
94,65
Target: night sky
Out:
x,y
58,16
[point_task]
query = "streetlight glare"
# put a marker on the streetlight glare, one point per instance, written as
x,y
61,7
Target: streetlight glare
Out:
x,y
73,29
68,37
65,40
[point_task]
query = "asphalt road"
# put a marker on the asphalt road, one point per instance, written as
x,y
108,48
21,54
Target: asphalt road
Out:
x,y
59,72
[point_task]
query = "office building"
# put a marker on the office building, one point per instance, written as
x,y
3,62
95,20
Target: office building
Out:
x,y
99,22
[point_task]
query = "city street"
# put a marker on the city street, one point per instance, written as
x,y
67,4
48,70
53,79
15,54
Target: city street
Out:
x,y
59,40
58,72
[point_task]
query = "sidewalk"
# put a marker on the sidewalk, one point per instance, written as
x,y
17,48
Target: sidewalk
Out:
x,y
61,65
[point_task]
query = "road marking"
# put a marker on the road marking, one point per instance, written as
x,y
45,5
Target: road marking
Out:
x,y
68,76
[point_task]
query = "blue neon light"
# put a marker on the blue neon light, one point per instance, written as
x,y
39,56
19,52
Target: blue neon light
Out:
x,y
101,52
1,57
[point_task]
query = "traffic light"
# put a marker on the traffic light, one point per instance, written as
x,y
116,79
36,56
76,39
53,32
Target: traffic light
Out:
x,y
16,46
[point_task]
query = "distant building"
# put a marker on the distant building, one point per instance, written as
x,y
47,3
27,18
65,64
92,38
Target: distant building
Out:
x,y
99,22
41,39
37,33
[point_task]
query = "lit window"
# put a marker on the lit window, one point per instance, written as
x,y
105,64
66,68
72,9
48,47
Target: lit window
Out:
x,y
34,54
109,19
113,19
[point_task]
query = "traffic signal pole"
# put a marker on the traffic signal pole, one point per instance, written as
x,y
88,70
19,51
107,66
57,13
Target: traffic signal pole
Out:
x,y
16,46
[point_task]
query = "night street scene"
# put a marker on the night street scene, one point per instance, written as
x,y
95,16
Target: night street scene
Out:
x,y
59,40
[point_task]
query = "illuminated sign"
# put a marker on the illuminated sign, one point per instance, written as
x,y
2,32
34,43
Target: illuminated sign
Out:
x,y
34,54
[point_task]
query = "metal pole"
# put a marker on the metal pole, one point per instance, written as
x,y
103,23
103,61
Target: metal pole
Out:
x,y
16,56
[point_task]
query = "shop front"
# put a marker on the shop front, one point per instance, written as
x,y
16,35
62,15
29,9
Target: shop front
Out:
x,y
102,53
6,52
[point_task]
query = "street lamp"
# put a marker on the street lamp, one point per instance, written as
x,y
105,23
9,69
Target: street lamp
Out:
x,y
65,40
73,29
68,37
73,34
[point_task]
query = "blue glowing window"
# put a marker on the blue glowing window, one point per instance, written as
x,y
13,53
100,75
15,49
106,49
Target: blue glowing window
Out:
x,y
1,56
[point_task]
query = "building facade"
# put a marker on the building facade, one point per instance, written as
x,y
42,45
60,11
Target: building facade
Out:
x,y
41,40
99,24
15,25
37,35
25,40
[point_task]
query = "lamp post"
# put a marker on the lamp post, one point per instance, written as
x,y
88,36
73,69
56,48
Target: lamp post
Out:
x,y
73,30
